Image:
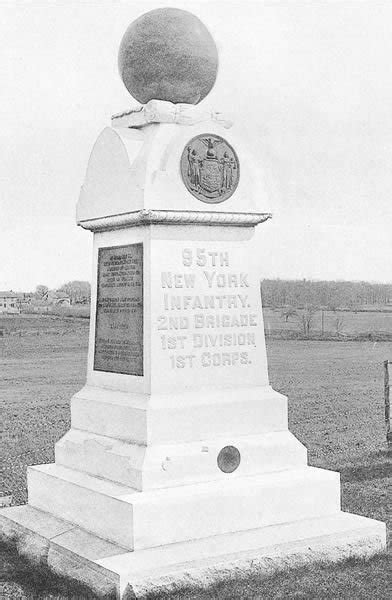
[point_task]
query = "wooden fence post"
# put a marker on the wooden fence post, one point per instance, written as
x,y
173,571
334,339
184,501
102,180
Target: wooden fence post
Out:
x,y
387,402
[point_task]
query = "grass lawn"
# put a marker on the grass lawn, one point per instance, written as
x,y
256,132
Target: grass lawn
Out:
x,y
335,394
40,371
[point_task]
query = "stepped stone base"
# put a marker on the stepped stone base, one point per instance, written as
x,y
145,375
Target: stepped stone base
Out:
x,y
138,520
111,569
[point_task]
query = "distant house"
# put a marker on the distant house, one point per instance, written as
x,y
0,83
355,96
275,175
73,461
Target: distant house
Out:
x,y
9,302
26,297
24,300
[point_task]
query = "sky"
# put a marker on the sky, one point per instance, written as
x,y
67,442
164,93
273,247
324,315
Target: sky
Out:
x,y
309,86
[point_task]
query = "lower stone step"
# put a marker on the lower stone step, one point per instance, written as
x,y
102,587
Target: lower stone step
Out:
x,y
63,547
110,569
151,518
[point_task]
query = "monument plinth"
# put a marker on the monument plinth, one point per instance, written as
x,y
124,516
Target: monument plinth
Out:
x,y
179,464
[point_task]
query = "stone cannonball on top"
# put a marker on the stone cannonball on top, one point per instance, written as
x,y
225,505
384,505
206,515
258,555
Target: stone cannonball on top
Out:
x,y
168,54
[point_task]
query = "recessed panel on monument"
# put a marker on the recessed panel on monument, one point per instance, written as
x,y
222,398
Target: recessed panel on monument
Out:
x,y
119,315
208,324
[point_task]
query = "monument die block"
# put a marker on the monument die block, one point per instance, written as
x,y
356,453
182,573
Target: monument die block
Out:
x,y
207,325
200,328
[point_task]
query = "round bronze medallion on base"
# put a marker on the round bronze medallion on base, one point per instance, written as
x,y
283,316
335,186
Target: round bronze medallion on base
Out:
x,y
229,459
210,168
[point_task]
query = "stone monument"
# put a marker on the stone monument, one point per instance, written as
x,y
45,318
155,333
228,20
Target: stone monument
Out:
x,y
179,465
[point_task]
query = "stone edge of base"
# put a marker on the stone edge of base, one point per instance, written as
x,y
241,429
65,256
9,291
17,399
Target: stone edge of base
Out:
x,y
44,551
365,539
360,543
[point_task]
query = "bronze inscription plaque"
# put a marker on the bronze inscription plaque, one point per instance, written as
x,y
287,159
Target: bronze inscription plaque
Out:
x,y
119,316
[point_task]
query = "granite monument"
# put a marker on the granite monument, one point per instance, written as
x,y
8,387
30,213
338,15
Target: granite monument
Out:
x,y
179,465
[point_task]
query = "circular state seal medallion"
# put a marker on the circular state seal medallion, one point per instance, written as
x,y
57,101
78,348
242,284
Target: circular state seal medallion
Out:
x,y
210,168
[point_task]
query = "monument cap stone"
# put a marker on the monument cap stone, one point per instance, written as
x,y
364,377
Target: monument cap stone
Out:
x,y
168,54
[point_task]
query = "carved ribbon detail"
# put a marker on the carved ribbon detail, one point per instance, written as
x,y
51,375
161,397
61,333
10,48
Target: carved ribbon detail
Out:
x,y
161,111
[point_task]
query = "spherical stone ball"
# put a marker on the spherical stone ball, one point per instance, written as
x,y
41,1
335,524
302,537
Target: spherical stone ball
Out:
x,y
168,54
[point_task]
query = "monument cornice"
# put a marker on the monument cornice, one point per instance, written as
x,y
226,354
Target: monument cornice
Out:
x,y
174,217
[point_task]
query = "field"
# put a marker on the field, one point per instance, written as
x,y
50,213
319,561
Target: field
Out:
x,y
342,323
336,409
42,364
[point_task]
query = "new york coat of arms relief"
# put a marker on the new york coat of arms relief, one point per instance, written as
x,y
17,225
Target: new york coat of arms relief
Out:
x,y
210,168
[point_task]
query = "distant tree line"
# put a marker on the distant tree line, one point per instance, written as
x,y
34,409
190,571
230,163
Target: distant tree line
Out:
x,y
324,294
78,292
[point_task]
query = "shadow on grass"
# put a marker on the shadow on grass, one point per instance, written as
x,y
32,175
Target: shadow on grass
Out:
x,y
39,581
368,467
366,472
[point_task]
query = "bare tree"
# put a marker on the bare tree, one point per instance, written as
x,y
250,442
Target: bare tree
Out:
x,y
306,318
287,312
41,292
338,324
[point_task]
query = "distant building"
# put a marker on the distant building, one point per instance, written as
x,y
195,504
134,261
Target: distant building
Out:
x,y
50,300
26,297
24,300
9,302
57,298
